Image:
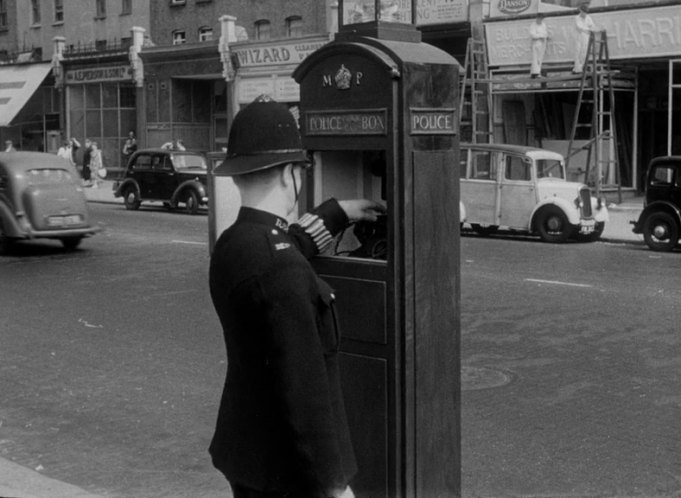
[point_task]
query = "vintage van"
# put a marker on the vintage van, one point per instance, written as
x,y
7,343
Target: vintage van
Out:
x,y
525,189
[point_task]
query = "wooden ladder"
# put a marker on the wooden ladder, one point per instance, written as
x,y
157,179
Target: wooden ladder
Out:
x,y
596,89
475,99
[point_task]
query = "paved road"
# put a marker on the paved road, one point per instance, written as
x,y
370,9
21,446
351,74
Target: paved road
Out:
x,y
113,364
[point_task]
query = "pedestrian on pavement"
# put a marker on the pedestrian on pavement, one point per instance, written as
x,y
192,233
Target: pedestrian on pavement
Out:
x,y
281,428
9,146
68,149
130,145
95,164
584,25
539,35
87,159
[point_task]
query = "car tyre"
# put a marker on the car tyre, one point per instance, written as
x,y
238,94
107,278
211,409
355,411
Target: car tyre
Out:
x,y
553,225
6,243
71,243
661,232
131,199
191,202
484,230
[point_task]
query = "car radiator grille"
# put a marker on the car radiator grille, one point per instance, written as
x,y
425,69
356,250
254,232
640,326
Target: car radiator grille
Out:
x,y
585,197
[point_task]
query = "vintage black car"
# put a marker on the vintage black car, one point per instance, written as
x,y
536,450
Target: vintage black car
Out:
x,y
660,220
41,197
169,176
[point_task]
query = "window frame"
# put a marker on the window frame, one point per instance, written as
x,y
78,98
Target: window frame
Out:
x,y
126,7
294,31
58,8
35,13
260,32
175,34
203,30
100,9
3,15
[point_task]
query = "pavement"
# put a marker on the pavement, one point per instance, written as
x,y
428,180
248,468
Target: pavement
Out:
x,y
17,481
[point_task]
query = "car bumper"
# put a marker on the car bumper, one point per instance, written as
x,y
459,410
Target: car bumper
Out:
x,y
61,233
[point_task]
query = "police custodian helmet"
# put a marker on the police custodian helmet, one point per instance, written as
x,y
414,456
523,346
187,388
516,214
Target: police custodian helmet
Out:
x,y
264,134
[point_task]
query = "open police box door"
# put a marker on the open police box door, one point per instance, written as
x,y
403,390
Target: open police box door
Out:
x,y
379,117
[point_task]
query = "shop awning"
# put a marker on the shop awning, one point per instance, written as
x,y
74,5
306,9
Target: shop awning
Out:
x,y
17,84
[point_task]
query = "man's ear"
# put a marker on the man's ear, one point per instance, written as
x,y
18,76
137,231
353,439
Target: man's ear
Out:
x,y
286,177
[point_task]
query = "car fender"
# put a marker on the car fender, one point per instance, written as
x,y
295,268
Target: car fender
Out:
x,y
656,207
124,184
10,225
567,207
194,185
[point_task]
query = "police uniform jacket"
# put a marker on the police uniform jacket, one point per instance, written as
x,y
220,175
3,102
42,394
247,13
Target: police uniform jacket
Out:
x,y
281,423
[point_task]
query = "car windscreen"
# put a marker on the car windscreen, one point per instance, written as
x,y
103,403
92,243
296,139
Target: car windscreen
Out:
x,y
550,168
189,161
48,176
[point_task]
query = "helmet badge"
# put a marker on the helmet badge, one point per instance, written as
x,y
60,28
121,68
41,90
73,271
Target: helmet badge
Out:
x,y
343,78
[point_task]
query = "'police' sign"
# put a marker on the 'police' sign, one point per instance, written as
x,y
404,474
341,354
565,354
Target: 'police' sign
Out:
x,y
440,121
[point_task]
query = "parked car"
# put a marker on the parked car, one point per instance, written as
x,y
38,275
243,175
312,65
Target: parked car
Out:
x,y
660,220
525,189
41,197
172,177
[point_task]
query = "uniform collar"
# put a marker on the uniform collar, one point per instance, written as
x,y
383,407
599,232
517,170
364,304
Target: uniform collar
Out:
x,y
251,215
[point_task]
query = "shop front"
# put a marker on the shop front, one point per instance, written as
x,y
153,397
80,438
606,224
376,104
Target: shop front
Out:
x,y
642,43
100,99
29,107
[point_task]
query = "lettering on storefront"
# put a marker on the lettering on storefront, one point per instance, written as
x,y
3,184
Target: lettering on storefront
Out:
x,y
651,32
433,121
99,74
353,122
511,7
292,53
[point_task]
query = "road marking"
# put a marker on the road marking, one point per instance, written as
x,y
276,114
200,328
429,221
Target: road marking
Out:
x,y
189,242
556,282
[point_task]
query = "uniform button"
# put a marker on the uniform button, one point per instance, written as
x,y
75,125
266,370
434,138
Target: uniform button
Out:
x,y
274,232
333,296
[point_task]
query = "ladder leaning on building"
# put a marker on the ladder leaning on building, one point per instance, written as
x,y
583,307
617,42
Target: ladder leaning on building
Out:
x,y
475,104
597,91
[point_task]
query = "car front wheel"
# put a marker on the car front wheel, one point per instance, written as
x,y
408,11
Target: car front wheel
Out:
x,y
131,199
553,226
661,232
191,202
5,242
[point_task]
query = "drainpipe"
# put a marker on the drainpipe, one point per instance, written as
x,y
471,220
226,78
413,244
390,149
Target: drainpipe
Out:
x,y
58,44
137,66
332,19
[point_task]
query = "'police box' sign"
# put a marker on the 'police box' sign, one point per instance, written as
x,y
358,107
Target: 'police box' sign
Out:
x,y
428,121
347,122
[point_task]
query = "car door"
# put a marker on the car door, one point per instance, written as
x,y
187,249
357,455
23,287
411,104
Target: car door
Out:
x,y
166,178
518,193
479,192
141,171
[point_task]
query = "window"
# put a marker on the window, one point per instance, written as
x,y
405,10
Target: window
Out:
x,y
58,10
177,2
482,165
294,27
662,175
35,11
262,30
205,33
126,7
101,9
3,14
179,37
518,168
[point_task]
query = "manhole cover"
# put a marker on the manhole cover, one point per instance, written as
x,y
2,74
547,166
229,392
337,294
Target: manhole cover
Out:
x,y
473,378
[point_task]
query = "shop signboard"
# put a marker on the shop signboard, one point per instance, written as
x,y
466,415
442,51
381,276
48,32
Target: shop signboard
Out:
x,y
427,11
99,74
505,8
253,55
631,33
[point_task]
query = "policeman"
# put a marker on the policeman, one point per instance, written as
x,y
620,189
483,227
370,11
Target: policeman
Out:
x,y
281,428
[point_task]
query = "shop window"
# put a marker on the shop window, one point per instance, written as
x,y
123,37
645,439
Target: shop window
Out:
x,y
101,9
58,11
262,29
35,11
294,27
205,33
126,7
179,37
127,96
